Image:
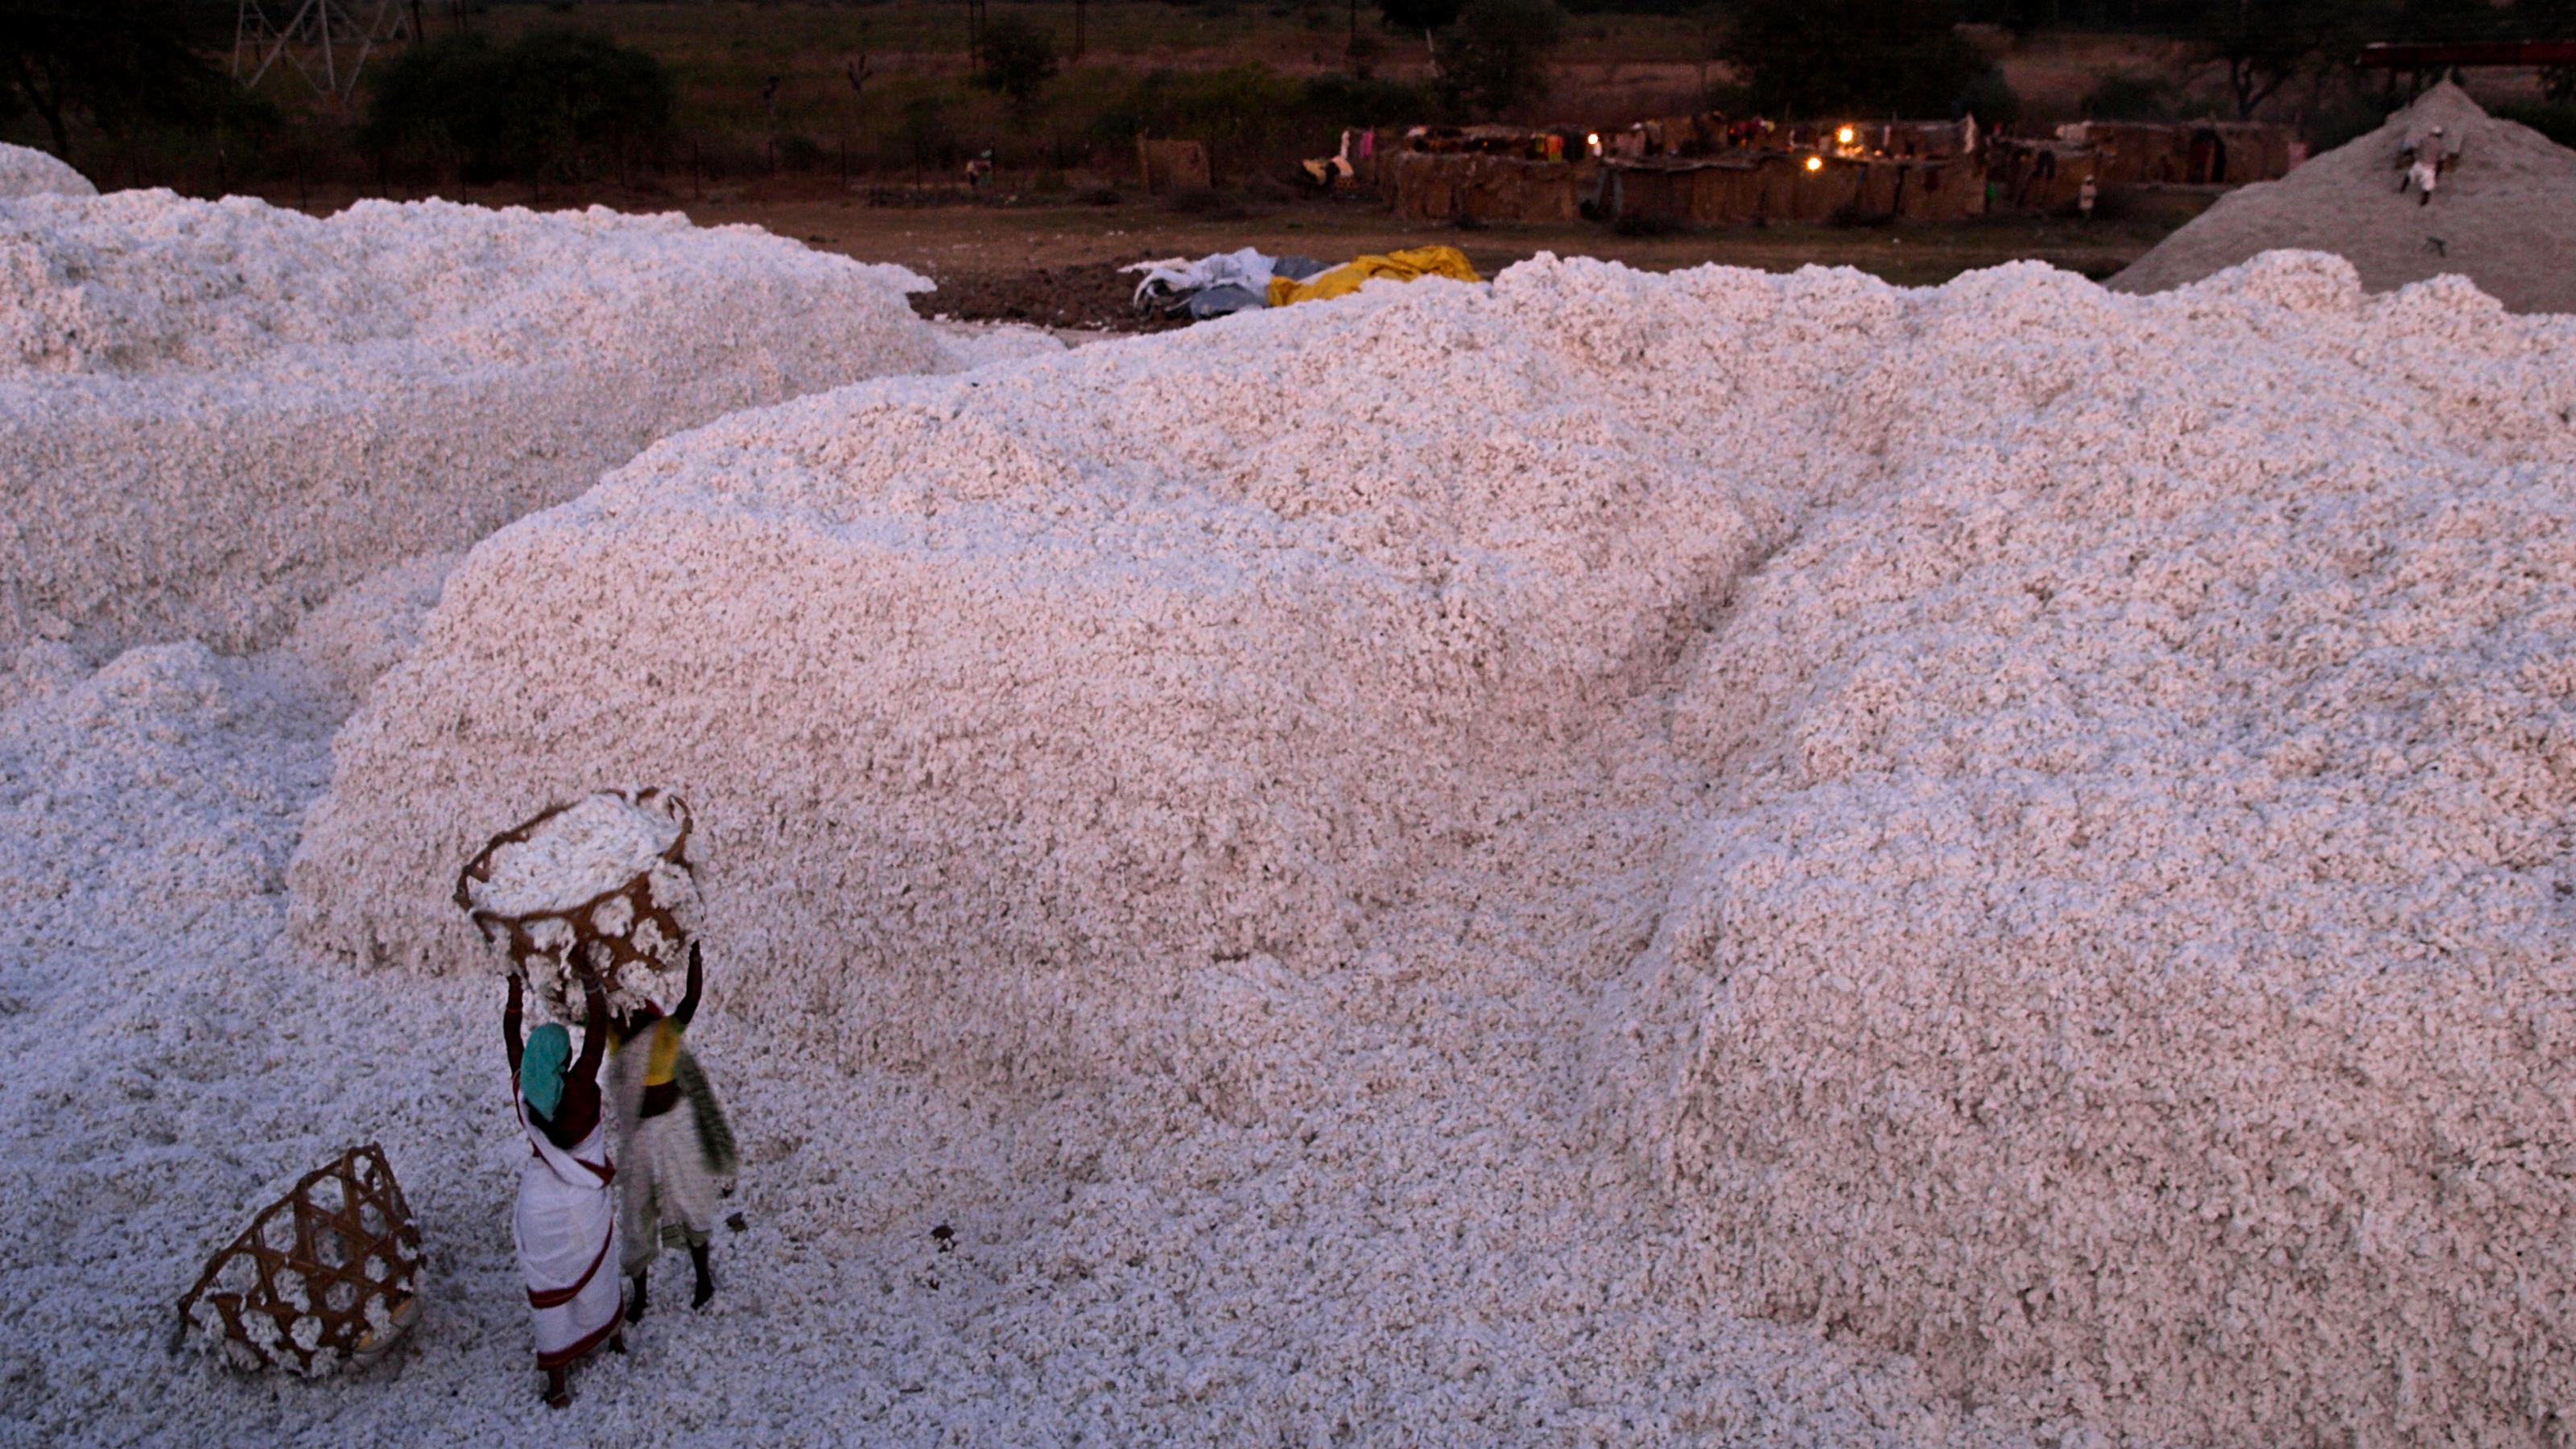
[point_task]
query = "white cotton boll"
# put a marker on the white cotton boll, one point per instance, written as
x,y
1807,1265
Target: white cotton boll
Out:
x,y
613,916
598,844
650,940
673,889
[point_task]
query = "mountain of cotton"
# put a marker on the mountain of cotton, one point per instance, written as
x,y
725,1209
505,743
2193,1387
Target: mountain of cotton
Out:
x,y
2013,825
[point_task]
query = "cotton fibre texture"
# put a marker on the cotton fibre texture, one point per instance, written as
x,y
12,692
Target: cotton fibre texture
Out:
x,y
25,171
2504,216
2073,783
570,885
215,415
1439,1255
597,844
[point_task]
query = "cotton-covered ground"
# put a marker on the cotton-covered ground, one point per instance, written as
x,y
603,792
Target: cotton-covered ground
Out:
x,y
28,172
1396,869
1435,1254
2085,762
215,415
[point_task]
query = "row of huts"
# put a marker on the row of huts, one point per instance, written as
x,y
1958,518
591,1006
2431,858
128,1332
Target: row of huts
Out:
x,y
1708,170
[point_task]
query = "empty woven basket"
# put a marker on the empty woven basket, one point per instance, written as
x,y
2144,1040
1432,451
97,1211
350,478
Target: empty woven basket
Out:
x,y
326,1276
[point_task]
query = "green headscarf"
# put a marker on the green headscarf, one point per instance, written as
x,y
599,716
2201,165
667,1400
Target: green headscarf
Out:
x,y
541,1067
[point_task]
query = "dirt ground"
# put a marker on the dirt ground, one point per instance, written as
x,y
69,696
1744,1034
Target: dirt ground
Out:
x,y
1056,264
1053,261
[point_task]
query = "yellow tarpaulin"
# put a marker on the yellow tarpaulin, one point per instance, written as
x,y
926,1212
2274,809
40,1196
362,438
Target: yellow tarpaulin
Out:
x,y
1403,266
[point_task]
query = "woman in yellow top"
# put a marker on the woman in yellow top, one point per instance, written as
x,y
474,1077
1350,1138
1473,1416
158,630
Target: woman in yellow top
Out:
x,y
674,1146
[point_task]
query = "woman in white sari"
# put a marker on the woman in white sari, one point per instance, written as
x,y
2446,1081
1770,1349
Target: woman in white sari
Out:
x,y
566,1223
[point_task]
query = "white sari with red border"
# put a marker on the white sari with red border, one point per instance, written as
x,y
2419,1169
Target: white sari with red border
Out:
x,y
566,1226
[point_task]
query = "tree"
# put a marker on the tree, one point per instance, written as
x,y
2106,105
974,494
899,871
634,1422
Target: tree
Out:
x,y
926,133
1820,58
1423,15
552,105
1499,59
1019,59
2262,44
113,63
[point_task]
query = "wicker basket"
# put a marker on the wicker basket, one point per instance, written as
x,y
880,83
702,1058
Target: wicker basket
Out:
x,y
326,1276
629,933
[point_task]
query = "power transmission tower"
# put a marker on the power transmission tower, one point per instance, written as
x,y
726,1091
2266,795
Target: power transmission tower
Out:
x,y
327,42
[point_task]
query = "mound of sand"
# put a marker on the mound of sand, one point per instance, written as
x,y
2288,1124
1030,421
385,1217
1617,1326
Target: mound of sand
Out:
x,y
25,171
2504,217
214,415
2117,949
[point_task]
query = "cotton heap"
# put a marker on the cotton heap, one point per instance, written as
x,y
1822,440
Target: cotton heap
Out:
x,y
2098,765
214,415
2504,217
25,171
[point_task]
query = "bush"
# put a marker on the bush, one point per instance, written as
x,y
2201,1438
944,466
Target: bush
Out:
x,y
1498,62
927,135
1018,61
123,66
1990,98
553,105
1826,58
798,153
2556,120
2130,96
1252,116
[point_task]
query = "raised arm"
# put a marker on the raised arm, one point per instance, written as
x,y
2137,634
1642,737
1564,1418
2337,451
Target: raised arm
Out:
x,y
510,1025
594,1030
697,978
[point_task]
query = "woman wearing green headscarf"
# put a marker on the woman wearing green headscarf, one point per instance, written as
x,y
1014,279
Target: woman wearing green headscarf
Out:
x,y
565,1224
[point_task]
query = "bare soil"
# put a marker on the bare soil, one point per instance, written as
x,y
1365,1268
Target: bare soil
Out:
x,y
1028,260
1013,255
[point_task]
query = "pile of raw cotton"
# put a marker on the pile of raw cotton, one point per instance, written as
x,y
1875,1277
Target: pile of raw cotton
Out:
x,y
2504,216
2099,764
213,415
604,882
25,171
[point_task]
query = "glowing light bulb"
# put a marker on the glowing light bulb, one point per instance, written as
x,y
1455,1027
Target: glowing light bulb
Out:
x,y
1815,163
1844,135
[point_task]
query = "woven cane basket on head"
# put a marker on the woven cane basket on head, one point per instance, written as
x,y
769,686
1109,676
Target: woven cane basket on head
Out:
x,y
633,932
326,1276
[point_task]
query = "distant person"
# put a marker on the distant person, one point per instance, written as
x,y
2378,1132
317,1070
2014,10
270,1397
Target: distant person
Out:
x,y
672,1141
565,1226
2085,196
979,171
2423,157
